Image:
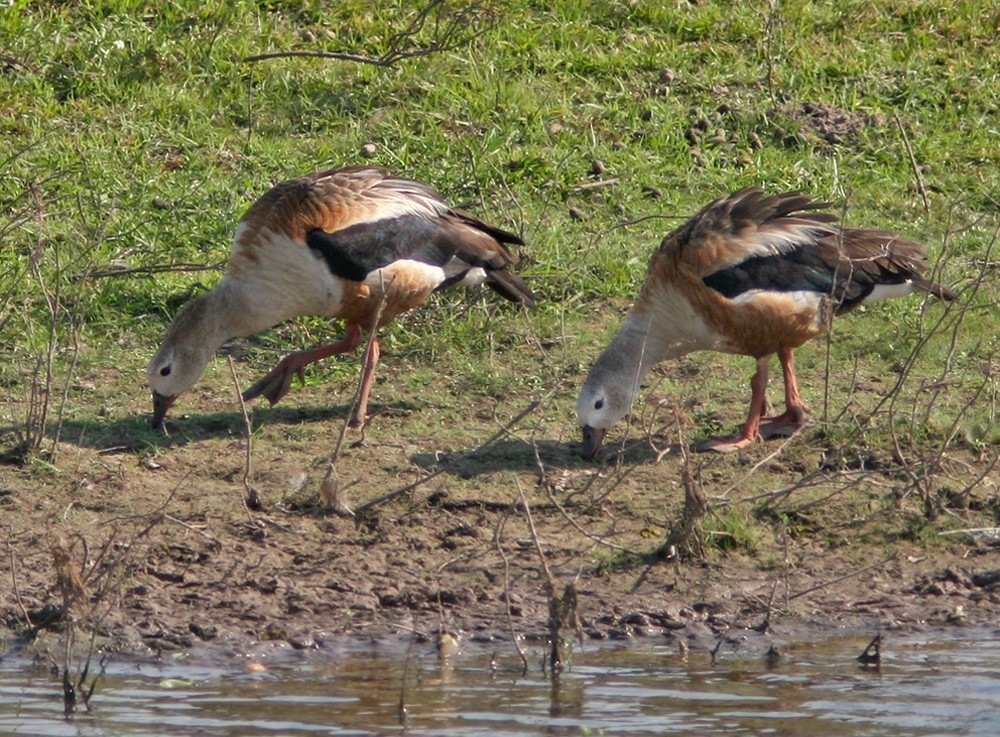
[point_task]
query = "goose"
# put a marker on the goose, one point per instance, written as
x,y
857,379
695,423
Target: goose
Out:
x,y
751,275
353,243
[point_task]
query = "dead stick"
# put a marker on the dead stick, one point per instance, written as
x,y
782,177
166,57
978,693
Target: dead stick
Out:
x,y
858,572
13,580
587,186
330,489
488,442
913,163
252,498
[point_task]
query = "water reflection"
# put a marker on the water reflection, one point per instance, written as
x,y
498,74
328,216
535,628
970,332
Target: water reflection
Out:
x,y
938,685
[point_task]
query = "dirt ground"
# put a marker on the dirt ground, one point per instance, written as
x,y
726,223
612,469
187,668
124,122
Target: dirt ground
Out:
x,y
147,540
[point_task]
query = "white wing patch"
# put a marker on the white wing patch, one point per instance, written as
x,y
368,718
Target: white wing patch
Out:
x,y
884,291
408,271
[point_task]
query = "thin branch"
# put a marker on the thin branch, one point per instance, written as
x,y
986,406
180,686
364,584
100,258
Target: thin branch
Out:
x,y
447,466
158,269
330,489
838,579
913,163
449,33
506,590
252,499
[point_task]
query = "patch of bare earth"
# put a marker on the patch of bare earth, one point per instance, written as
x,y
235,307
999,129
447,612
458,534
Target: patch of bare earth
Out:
x,y
160,553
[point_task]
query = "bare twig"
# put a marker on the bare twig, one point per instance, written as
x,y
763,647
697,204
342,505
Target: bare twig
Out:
x,y
330,489
114,271
252,500
449,32
588,186
13,581
535,404
13,61
497,537
913,163
838,579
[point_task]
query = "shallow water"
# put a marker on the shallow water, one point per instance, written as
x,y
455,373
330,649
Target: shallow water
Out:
x,y
943,683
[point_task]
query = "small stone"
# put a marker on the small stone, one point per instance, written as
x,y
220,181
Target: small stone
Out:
x,y
368,150
160,204
597,168
555,128
667,76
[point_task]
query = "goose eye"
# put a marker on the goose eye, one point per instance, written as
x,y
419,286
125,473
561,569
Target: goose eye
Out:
x,y
165,371
599,404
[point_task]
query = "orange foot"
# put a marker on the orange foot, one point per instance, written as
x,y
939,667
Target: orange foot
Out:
x,y
784,425
725,444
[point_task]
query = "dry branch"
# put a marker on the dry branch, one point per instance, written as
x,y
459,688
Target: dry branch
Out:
x,y
448,32
485,444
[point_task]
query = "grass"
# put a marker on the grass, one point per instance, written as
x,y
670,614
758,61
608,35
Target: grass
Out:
x,y
135,136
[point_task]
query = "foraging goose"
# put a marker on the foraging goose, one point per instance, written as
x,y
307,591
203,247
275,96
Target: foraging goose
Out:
x,y
354,243
751,275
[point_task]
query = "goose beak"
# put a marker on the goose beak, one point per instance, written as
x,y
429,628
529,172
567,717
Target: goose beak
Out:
x,y
592,439
161,404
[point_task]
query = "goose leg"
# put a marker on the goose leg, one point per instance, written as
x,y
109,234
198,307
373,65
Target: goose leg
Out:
x,y
794,416
277,382
367,378
751,428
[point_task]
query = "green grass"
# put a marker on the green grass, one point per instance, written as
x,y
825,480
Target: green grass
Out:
x,y
135,136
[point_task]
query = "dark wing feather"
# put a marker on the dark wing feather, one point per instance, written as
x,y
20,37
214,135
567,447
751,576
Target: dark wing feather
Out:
x,y
356,251
846,266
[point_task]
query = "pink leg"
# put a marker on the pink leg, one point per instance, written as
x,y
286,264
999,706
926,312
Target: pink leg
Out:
x,y
794,416
277,382
367,377
751,428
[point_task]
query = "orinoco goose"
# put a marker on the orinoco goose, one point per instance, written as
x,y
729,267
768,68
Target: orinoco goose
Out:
x,y
752,275
344,243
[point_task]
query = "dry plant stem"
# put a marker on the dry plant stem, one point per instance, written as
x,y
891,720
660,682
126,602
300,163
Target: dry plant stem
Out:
x,y
389,496
401,712
38,413
13,583
965,305
450,33
561,610
534,537
769,33
192,528
147,270
757,466
251,500
589,186
932,462
497,537
331,481
831,582
913,163
694,501
64,400
598,539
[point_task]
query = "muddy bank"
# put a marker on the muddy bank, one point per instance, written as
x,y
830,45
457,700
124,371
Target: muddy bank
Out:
x,y
159,553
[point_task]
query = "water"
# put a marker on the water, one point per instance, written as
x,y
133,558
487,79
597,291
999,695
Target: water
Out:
x,y
938,684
